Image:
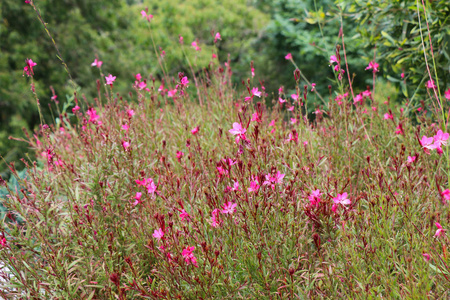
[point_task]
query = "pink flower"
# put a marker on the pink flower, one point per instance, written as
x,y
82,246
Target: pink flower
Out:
x,y
291,108
195,130
313,87
137,198
281,100
281,90
342,199
255,92
411,159
28,69
333,59
288,56
439,230
130,113
399,129
441,138
237,129
184,216
92,113
254,186
427,142
172,93
430,84
294,97
184,81
141,85
125,127
179,155
228,208
97,63
195,46
235,186
138,77
253,72
272,123
272,180
314,198
373,66
215,221
366,93
388,116
426,256
217,37
292,137
446,195
293,120
181,39
447,94
75,109
189,257
125,145
145,16
402,75
255,117
158,234
358,99
3,243
110,79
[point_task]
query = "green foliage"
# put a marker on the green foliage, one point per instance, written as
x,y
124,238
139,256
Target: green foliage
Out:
x,y
115,32
394,28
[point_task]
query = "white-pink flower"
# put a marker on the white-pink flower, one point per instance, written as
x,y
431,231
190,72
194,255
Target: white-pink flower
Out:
x,y
228,208
342,199
158,234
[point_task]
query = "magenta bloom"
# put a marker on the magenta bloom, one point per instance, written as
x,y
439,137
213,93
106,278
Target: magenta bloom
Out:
x,y
254,186
184,216
314,198
294,97
215,221
184,81
228,208
172,93
441,138
272,180
3,243
373,66
358,99
281,100
426,256
28,69
195,130
288,56
146,16
217,37
189,257
75,109
158,234
92,113
447,94
110,79
333,59
97,63
430,84
342,199
255,92
125,145
237,129
411,159
179,155
137,198
388,116
195,46
130,113
439,230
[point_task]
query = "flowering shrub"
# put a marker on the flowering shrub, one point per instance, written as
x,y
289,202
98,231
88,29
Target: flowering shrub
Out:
x,y
208,193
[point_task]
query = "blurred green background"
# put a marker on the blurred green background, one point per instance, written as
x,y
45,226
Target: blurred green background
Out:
x,y
261,31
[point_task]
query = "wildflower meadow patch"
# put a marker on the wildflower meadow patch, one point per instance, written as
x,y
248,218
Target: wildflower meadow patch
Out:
x,y
193,188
